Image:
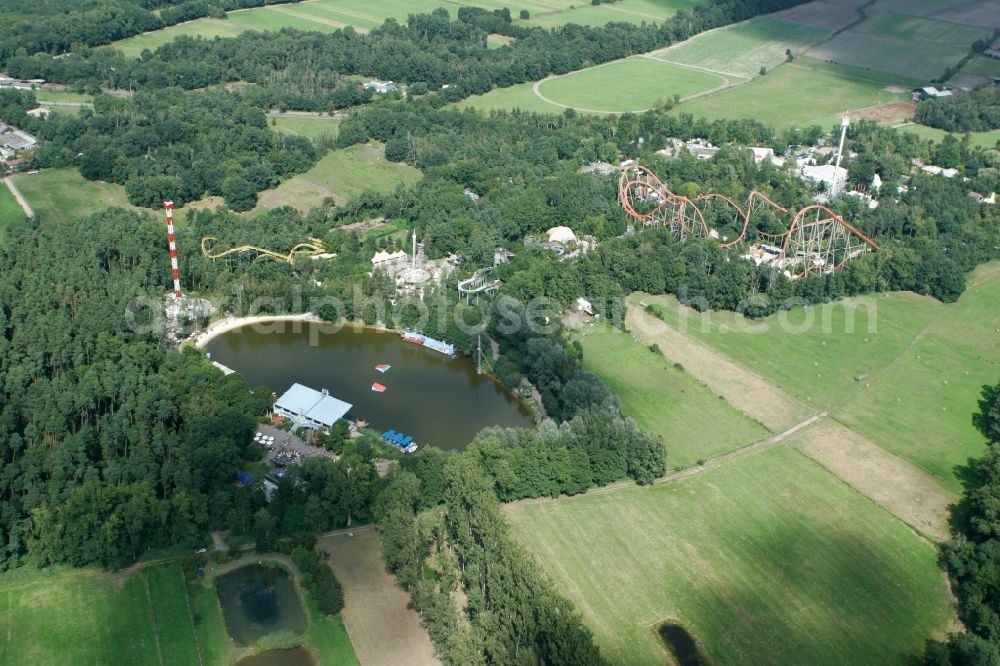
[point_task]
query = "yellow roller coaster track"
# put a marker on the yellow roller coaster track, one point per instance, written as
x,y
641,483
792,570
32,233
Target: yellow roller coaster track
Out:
x,y
312,248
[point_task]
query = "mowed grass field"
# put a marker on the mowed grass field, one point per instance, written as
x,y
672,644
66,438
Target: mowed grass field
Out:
x,y
981,139
767,559
635,84
363,15
693,422
742,49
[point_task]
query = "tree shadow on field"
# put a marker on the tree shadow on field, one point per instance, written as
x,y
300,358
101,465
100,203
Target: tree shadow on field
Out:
x,y
987,419
837,597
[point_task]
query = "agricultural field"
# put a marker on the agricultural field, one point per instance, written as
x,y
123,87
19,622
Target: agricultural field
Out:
x,y
692,421
764,559
382,626
742,49
918,39
635,84
795,94
340,174
362,15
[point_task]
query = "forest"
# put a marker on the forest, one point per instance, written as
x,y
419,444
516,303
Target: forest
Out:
x,y
307,70
59,26
112,442
977,111
166,144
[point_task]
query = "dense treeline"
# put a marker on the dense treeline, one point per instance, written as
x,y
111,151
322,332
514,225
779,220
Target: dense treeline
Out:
x,y
109,443
973,556
430,51
978,111
167,145
511,614
57,26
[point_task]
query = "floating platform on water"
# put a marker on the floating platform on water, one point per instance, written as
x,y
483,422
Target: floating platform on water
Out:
x,y
378,388
430,343
383,367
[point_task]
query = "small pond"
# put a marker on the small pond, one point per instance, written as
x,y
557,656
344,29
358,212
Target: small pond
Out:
x,y
299,656
258,600
680,643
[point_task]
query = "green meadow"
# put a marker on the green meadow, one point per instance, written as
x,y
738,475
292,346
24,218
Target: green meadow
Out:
x,y
692,421
766,559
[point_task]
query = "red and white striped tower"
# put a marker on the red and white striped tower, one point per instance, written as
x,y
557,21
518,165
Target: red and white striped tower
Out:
x,y
169,207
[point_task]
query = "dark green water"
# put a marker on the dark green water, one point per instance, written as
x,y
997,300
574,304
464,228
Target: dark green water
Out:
x,y
299,656
258,600
438,400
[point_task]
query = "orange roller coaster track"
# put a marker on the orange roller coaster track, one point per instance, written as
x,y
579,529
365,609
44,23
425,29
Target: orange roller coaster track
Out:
x,y
817,239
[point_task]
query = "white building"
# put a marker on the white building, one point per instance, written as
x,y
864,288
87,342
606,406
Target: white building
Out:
x,y
562,235
381,86
383,258
833,176
310,408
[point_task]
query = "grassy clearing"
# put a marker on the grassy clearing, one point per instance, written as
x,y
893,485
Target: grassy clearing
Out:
x,y
767,559
62,96
10,211
920,407
59,194
626,11
341,174
924,31
791,96
311,128
744,48
693,422
890,54
635,84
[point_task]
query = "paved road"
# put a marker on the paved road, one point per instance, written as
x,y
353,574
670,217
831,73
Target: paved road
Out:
x,y
22,202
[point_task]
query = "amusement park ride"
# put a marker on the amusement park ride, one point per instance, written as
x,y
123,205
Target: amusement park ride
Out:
x,y
815,240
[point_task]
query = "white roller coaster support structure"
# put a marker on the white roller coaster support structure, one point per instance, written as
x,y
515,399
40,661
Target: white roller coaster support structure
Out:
x,y
479,283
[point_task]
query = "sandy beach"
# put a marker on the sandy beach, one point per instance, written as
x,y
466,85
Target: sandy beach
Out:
x,y
226,324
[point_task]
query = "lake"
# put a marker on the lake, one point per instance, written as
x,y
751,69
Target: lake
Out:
x,y
258,600
436,399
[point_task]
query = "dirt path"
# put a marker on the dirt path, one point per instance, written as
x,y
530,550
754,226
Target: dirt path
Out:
x,y
383,629
21,201
901,488
746,391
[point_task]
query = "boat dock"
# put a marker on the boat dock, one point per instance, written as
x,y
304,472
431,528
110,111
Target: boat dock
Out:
x,y
421,339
